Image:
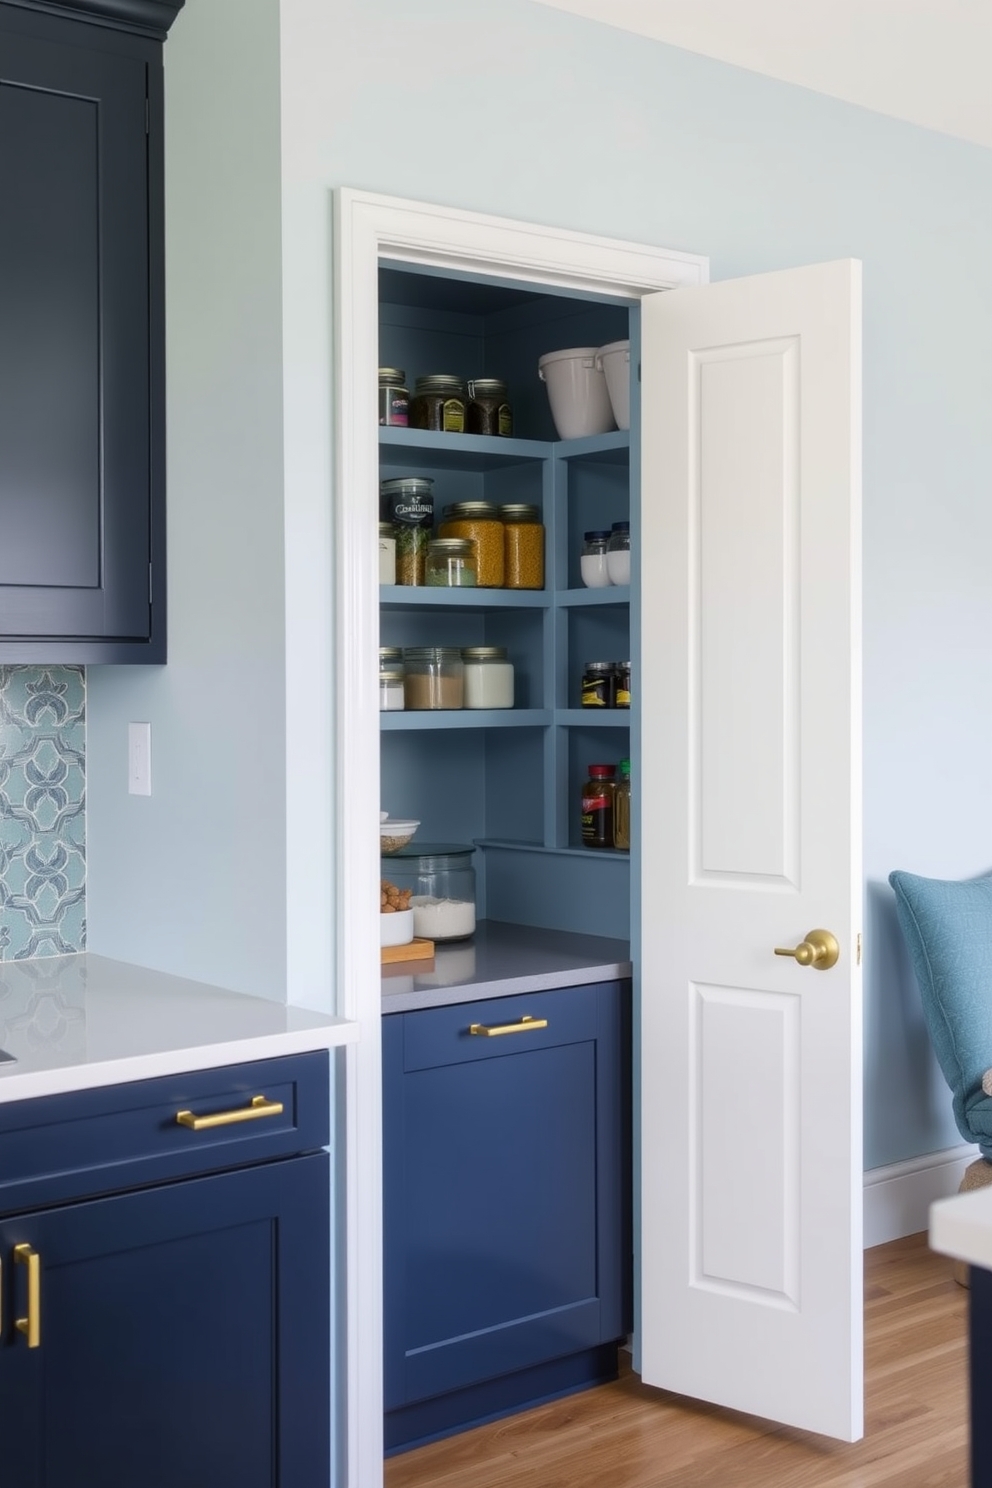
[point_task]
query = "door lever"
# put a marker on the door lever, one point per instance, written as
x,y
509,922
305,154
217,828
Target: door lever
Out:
x,y
820,950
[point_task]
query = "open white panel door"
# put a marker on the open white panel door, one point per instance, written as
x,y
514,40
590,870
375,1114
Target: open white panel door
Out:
x,y
750,1290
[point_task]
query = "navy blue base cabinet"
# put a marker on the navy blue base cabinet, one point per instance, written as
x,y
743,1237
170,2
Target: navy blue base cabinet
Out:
x,y
176,1333
980,1370
506,1198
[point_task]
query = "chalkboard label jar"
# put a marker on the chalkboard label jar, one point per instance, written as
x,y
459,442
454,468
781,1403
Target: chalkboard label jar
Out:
x,y
438,403
408,503
394,399
488,411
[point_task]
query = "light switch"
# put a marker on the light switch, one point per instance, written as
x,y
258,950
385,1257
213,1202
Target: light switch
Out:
x,y
139,759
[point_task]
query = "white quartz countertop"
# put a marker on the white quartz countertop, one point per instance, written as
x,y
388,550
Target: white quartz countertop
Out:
x,y
75,1022
961,1227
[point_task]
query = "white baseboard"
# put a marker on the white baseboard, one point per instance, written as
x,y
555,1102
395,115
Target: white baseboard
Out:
x,y
897,1198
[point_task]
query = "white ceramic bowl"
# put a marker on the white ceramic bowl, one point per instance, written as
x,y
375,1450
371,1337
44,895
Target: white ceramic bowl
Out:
x,y
394,834
396,929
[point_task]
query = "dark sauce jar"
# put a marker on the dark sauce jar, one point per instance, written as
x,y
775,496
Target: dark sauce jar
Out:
x,y
488,411
438,403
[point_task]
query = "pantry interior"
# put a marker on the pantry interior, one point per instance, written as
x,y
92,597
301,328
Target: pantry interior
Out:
x,y
509,781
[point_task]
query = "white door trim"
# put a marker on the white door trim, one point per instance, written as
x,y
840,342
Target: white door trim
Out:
x,y
369,227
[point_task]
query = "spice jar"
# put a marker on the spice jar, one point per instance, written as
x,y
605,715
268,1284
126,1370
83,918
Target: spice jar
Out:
x,y
599,685
438,403
488,677
523,546
488,411
621,808
441,880
391,690
435,677
618,554
394,400
592,562
407,502
598,795
450,563
479,521
387,553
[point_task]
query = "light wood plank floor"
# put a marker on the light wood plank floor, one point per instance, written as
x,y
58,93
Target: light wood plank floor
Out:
x,y
626,1435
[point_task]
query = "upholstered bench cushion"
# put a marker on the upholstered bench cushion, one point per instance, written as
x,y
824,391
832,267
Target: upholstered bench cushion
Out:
x,y
947,925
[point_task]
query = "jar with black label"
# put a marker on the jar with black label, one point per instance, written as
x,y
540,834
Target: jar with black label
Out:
x,y
451,563
408,503
488,410
394,400
597,806
438,403
599,685
622,669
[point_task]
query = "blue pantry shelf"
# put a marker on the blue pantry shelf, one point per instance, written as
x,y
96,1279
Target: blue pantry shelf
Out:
x,y
424,597
464,718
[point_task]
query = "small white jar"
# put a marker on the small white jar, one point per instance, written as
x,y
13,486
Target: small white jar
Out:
x,y
391,695
488,677
592,561
387,553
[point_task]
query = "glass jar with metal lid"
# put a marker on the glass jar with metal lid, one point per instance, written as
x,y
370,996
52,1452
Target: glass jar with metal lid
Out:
x,y
488,677
488,410
394,400
435,677
407,501
523,546
451,563
441,880
479,521
438,403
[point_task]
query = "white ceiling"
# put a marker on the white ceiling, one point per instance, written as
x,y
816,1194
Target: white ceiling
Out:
x,y
927,61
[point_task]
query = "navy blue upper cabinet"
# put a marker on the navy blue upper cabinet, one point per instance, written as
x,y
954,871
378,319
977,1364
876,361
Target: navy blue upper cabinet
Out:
x,y
82,574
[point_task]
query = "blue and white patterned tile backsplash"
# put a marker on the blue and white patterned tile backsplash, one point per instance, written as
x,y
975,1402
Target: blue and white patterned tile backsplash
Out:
x,y
42,811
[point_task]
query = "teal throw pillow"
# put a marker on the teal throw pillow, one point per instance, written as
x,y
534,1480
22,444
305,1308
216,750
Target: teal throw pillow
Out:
x,y
947,926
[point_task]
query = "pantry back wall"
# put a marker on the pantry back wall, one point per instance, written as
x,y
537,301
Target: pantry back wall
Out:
x,y
539,116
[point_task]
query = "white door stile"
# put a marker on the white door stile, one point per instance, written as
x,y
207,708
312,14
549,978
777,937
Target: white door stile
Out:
x,y
369,228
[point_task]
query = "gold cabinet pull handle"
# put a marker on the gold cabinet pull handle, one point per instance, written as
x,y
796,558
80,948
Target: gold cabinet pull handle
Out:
x,y
526,1024
259,1107
30,1326
820,950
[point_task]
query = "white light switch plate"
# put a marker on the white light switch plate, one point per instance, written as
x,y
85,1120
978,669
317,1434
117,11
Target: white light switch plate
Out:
x,y
139,759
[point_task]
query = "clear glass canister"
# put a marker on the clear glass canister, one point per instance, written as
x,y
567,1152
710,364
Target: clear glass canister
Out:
x,y
451,563
488,677
523,546
394,399
442,883
435,677
488,410
438,403
480,522
407,502
592,562
618,554
391,683
387,553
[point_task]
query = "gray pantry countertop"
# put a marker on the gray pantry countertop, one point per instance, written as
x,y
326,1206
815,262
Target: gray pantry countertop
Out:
x,y
502,960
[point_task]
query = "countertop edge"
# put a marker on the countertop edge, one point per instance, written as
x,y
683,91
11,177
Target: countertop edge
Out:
x,y
961,1227
27,1084
410,1002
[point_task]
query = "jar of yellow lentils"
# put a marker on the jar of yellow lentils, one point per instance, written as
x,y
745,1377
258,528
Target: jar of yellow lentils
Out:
x,y
479,521
523,546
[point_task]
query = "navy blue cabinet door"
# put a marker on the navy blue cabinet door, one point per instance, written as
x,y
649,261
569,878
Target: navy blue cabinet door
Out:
x,y
81,393
184,1336
506,1193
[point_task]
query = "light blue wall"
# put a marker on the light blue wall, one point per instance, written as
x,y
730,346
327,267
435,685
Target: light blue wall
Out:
x,y
525,112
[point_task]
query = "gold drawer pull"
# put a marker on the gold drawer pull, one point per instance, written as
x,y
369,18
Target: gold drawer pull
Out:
x,y
30,1326
524,1026
259,1107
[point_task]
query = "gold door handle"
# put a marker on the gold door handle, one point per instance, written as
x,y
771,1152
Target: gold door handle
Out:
x,y
526,1024
259,1107
820,949
30,1326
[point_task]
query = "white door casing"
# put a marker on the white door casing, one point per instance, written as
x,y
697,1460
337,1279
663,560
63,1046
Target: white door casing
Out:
x,y
750,1274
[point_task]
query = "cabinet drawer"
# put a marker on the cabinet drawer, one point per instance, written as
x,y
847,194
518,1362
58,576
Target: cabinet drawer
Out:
x,y
60,1147
438,1036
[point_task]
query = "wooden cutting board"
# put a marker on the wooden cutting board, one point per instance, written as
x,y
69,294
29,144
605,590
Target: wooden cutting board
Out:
x,y
415,950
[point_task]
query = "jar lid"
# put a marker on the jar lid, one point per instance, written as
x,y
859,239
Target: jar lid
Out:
x,y
480,510
419,483
484,653
392,374
621,526
487,387
386,676
451,547
432,855
520,512
385,529
600,666
390,653
440,382
432,653
602,772
596,536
